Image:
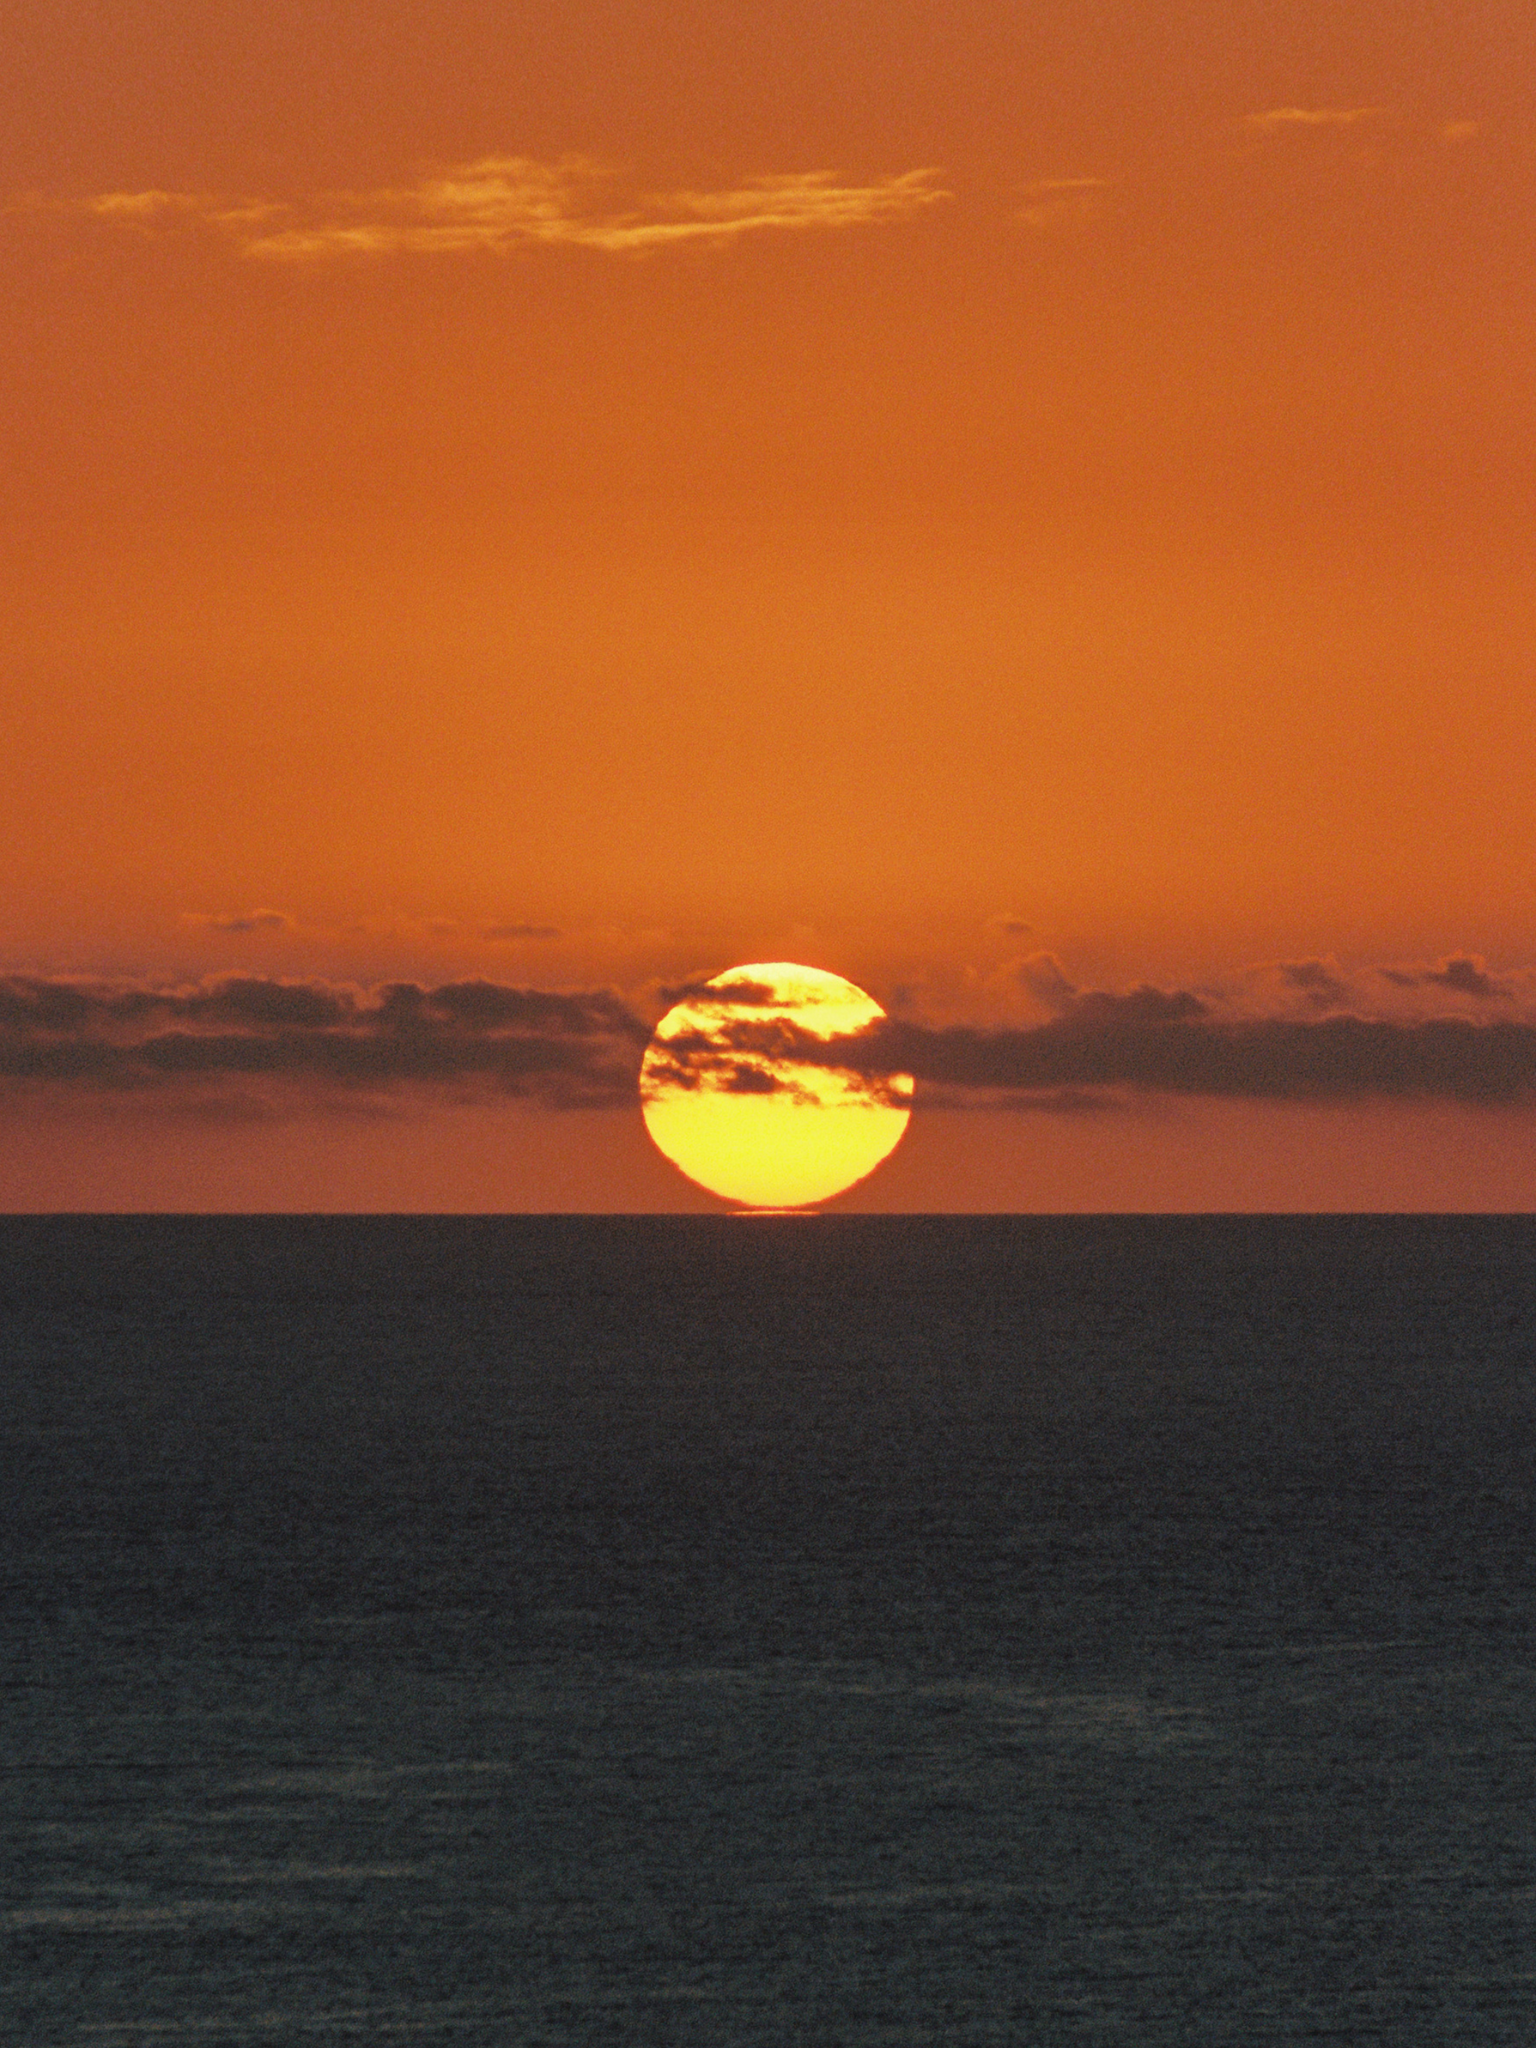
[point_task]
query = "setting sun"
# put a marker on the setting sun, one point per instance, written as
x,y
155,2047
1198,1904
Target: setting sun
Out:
x,y
734,1102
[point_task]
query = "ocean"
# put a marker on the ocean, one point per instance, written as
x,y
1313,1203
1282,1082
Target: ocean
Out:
x,y
820,1630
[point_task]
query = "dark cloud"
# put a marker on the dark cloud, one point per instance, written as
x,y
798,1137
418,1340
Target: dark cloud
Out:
x,y
1316,981
1042,976
1464,974
1144,1005
33,1005
570,1048
1187,1052
489,1006
739,995
253,1001
749,1080
1101,1043
1468,977
663,1072
1162,1041
240,920
563,1048
521,931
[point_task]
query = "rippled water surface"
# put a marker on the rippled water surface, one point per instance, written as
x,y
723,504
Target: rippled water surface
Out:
x,y
816,1631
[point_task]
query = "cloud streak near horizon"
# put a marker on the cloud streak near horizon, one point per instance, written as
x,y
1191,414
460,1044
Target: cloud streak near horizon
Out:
x,y
582,1049
565,1050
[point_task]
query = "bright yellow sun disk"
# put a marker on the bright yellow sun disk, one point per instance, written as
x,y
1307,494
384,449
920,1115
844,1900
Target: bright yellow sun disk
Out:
x,y
768,1131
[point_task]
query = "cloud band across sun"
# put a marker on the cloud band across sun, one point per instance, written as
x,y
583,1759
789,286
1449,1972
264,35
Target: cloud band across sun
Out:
x,y
583,1049
504,203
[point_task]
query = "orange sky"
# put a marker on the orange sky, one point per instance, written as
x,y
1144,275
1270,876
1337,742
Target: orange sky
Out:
x,y
578,496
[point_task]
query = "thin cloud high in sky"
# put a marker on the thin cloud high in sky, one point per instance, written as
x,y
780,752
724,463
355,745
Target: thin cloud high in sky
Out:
x,y
1279,118
502,203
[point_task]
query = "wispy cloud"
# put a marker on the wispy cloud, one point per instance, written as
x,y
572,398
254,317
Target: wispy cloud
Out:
x,y
1365,134
1063,202
503,203
150,205
155,207
1245,154
1277,119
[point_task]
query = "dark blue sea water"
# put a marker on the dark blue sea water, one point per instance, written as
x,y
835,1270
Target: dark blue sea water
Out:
x,y
825,1630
